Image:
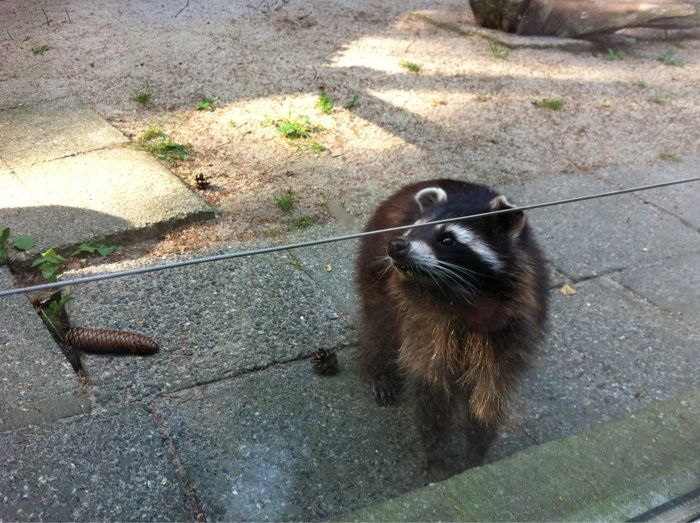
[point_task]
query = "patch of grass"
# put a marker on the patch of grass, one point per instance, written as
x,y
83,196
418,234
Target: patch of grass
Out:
x,y
483,96
670,156
410,66
316,146
498,50
297,265
324,103
549,103
206,103
641,84
285,202
669,58
614,55
143,97
302,221
157,142
40,50
352,102
660,99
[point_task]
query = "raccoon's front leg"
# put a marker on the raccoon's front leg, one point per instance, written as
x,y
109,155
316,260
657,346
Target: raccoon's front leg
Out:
x,y
435,423
379,352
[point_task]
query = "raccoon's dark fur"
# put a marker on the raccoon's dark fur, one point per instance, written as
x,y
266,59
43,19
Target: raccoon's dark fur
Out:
x,y
450,312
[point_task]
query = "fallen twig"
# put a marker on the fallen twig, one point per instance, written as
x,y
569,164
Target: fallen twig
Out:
x,y
181,10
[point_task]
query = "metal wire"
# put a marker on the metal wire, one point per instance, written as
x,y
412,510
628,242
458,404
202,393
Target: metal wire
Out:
x,y
321,241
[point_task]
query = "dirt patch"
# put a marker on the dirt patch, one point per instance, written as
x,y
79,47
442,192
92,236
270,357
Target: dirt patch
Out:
x,y
467,113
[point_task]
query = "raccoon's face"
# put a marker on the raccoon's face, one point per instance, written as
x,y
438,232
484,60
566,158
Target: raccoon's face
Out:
x,y
458,257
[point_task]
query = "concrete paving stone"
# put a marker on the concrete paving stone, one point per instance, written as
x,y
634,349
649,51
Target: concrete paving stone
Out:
x,y
331,265
593,237
287,444
51,129
211,321
101,194
614,472
680,200
37,385
673,285
108,467
607,354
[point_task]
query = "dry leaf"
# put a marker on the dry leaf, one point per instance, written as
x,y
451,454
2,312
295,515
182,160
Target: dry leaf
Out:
x,y
567,290
329,267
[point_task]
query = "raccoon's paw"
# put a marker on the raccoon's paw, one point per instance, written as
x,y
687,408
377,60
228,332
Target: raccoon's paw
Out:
x,y
385,390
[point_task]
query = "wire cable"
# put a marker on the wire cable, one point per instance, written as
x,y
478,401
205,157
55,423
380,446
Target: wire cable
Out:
x,y
321,241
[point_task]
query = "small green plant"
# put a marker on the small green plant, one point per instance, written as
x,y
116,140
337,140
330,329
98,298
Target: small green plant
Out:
x,y
316,146
498,50
294,128
92,248
670,156
143,97
206,103
4,235
660,99
668,58
285,202
410,66
352,102
40,50
613,55
54,315
49,263
483,96
157,142
641,84
324,103
549,103
297,265
302,221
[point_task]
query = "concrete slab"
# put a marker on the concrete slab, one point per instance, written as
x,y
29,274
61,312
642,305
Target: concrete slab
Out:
x,y
37,385
51,129
111,193
607,355
286,444
598,236
612,473
679,200
212,321
673,285
111,467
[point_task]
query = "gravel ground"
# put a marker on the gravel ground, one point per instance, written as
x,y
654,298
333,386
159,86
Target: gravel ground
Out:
x,y
465,113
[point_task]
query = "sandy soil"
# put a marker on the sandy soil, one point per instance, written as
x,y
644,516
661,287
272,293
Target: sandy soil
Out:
x,y
465,114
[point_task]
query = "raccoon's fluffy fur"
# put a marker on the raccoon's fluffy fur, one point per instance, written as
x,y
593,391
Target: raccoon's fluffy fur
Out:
x,y
450,312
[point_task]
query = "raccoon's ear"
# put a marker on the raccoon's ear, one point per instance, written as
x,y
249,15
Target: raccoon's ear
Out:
x,y
512,222
430,196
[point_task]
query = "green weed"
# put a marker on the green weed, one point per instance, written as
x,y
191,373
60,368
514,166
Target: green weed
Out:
x,y
94,248
549,103
613,55
302,221
206,103
660,99
297,265
352,102
668,58
285,202
157,142
40,50
641,84
498,50
316,146
294,128
49,263
143,97
410,66
670,156
324,103
4,235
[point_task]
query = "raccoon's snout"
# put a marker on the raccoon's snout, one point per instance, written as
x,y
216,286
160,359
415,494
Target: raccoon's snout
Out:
x,y
398,248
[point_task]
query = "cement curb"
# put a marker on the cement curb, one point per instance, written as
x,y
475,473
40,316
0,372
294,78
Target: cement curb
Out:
x,y
613,472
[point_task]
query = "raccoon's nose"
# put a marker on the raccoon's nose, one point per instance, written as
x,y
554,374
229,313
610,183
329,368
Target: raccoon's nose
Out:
x,y
398,247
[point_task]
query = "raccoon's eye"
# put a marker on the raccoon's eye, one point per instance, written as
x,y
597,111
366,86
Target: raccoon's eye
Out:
x,y
447,240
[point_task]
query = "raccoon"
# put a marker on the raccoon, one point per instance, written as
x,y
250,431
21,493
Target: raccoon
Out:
x,y
450,313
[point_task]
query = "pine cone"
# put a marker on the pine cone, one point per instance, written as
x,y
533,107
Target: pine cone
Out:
x,y
202,182
105,341
325,362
